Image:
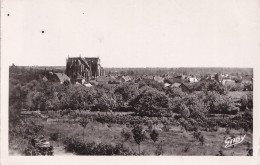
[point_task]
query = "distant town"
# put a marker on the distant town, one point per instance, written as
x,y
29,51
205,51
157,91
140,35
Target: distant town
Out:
x,y
88,72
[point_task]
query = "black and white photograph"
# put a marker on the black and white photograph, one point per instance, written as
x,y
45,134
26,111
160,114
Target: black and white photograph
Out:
x,y
148,78
85,109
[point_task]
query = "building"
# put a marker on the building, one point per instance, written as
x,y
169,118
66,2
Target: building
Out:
x,y
158,79
113,80
124,78
193,80
182,86
59,77
226,82
83,68
44,79
102,79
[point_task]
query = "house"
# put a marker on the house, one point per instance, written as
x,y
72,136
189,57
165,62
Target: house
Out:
x,y
227,82
136,80
158,79
44,79
93,82
147,77
183,77
173,80
25,113
225,75
59,77
176,85
165,75
211,77
167,84
247,82
125,78
193,80
113,80
182,86
179,76
102,79
80,79
88,85
234,77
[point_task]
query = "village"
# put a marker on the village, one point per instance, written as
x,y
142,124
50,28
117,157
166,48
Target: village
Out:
x,y
96,75
119,107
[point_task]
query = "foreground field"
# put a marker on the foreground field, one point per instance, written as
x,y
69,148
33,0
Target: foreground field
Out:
x,y
174,140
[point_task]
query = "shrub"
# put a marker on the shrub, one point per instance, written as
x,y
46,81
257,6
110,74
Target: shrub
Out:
x,y
166,127
186,148
187,125
198,135
138,135
80,148
154,135
249,152
184,111
220,153
159,149
126,135
54,136
227,130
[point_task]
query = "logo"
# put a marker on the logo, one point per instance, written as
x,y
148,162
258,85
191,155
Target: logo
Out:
x,y
231,141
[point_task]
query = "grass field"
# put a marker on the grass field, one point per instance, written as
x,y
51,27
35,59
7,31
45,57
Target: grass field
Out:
x,y
176,141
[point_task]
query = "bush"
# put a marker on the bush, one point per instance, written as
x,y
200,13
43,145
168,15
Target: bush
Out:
x,y
186,148
166,127
159,149
80,148
154,135
188,125
54,136
126,135
198,135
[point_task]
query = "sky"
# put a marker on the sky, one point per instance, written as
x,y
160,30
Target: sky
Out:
x,y
132,33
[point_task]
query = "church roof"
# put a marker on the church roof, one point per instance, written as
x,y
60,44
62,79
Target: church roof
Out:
x,y
86,60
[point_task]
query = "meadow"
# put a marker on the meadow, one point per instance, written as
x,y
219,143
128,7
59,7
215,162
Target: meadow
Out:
x,y
173,140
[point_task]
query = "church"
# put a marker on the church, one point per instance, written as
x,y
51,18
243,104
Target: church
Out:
x,y
83,69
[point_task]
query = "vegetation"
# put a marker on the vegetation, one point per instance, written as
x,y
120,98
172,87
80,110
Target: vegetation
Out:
x,y
83,123
207,108
138,135
80,148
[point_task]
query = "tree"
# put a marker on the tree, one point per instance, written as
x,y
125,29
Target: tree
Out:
x,y
215,86
138,135
218,103
175,92
127,92
154,135
250,100
130,72
248,87
244,102
150,102
83,122
184,111
76,97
